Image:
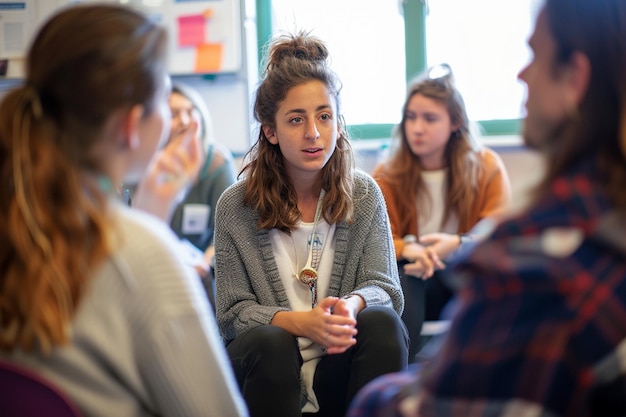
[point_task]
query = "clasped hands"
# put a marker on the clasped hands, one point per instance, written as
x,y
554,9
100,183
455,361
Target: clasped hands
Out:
x,y
332,323
426,256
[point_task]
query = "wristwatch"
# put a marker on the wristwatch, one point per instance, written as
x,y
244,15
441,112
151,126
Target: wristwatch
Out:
x,y
409,239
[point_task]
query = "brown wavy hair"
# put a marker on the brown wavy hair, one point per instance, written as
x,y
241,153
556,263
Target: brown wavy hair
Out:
x,y
87,64
404,168
292,60
597,130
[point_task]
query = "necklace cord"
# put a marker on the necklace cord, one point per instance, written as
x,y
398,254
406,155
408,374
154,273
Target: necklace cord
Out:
x,y
318,212
308,275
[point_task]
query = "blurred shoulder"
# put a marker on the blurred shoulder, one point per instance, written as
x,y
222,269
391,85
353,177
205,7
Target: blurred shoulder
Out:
x,y
146,245
219,155
138,226
490,158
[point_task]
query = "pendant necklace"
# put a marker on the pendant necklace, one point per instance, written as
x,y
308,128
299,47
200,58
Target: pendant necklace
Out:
x,y
308,274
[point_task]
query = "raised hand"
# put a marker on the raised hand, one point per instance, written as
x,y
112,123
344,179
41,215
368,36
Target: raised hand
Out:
x,y
172,170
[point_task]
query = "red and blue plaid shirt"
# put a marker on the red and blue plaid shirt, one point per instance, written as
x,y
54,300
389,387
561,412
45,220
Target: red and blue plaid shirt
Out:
x,y
541,325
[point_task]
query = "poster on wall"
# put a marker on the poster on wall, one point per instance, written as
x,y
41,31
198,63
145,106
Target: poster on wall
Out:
x,y
204,35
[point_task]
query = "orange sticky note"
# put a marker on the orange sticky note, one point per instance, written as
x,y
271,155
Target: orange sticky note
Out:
x,y
209,57
191,30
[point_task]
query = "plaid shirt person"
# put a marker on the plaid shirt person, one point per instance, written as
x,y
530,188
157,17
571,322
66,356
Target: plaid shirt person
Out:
x,y
541,325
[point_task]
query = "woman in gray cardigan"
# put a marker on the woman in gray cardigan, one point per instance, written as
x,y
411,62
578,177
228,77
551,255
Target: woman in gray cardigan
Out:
x,y
308,295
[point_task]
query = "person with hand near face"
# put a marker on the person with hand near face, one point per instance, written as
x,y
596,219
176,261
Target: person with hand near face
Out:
x,y
93,295
194,216
308,295
539,329
168,176
185,180
453,183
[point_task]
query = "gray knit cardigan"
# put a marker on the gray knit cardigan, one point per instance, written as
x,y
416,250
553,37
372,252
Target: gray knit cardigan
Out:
x,y
249,288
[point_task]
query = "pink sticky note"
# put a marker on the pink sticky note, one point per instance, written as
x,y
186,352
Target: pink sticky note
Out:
x,y
191,30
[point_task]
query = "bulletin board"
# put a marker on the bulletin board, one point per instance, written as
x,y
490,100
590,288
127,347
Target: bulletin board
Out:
x,y
204,35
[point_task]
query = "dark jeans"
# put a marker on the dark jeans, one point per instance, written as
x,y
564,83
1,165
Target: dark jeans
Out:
x,y
423,300
267,362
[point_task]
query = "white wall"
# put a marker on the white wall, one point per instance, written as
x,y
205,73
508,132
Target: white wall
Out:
x,y
525,168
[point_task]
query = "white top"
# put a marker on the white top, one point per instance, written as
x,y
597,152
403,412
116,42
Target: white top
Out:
x,y
291,254
144,341
430,213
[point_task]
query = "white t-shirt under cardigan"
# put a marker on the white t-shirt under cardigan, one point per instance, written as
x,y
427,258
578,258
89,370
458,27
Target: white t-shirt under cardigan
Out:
x,y
291,253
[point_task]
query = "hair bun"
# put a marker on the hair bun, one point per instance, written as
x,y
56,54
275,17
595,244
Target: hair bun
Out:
x,y
300,46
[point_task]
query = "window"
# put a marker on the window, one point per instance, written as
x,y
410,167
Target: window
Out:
x,y
485,44
366,43
377,45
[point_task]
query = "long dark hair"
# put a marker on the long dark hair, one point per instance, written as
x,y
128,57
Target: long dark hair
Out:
x,y
597,28
87,64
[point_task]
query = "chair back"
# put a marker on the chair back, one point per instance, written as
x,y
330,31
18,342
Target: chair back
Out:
x,y
23,393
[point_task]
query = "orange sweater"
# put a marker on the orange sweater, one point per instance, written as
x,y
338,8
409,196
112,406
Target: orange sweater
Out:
x,y
493,196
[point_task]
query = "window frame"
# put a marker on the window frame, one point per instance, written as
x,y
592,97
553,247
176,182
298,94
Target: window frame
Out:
x,y
415,12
